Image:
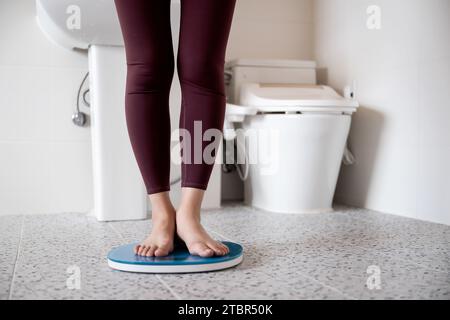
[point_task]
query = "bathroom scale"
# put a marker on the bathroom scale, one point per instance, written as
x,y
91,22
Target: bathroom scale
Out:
x,y
180,260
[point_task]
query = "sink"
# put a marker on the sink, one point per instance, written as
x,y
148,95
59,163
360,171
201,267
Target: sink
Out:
x,y
79,23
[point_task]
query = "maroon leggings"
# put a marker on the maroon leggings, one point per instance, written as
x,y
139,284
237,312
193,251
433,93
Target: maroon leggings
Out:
x,y
204,30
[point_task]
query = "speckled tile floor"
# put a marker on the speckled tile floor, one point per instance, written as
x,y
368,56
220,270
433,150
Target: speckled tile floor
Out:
x,y
348,254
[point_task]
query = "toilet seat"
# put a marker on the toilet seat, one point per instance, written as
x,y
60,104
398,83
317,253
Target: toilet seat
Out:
x,y
285,98
295,98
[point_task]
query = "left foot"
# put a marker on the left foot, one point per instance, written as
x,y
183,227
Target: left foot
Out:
x,y
197,240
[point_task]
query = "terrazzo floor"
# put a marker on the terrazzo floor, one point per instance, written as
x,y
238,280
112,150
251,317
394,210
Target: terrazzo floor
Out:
x,y
348,254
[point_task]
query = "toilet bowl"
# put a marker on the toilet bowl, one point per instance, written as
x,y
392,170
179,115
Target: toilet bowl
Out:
x,y
293,134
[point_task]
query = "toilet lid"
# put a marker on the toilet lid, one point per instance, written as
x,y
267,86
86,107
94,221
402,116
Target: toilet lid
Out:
x,y
276,97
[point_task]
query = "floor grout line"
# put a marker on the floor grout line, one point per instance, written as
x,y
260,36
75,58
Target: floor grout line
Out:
x,y
327,286
172,292
11,285
116,231
220,235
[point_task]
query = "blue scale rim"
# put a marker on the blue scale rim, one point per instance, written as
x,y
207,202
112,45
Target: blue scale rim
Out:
x,y
180,256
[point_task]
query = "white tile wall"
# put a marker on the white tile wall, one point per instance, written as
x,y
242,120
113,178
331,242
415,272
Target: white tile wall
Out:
x,y
401,134
272,29
434,140
41,177
45,160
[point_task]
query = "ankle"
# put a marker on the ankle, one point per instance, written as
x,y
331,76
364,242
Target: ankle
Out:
x,y
161,204
187,217
162,214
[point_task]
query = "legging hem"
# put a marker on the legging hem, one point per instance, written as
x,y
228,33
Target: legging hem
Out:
x,y
194,185
158,190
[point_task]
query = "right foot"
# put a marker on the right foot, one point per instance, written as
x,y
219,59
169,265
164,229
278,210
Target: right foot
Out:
x,y
160,241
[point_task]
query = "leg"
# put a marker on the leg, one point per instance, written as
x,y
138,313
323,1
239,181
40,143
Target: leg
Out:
x,y
204,31
150,64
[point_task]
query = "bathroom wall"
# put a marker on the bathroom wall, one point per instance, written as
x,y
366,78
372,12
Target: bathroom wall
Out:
x,y
45,160
401,134
272,29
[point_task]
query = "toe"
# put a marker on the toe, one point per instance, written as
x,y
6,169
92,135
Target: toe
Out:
x,y
151,251
142,250
217,248
207,253
161,252
136,249
201,250
225,248
147,250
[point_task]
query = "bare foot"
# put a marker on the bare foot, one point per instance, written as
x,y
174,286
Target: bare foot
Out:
x,y
197,240
160,241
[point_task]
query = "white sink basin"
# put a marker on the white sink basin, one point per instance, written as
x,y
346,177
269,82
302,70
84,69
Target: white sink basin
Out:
x,y
79,23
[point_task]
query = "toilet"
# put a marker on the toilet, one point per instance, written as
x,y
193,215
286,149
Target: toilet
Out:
x,y
291,134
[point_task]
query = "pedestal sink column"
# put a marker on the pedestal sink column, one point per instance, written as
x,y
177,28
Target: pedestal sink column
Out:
x,y
119,192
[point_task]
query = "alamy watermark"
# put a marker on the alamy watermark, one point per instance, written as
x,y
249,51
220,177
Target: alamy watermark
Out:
x,y
73,281
374,280
73,21
260,146
374,17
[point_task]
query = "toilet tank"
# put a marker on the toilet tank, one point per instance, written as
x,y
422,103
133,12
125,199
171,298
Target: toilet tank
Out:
x,y
240,71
